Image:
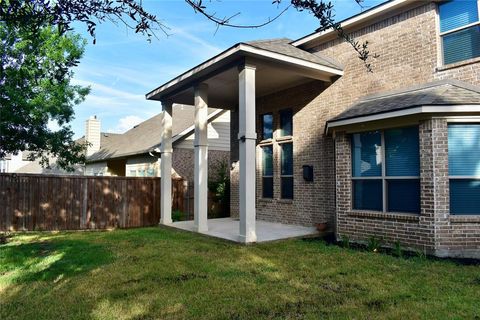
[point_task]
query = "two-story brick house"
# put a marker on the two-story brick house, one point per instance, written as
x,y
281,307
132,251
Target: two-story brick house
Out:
x,y
393,154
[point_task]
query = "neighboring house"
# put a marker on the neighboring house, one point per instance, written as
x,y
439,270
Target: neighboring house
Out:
x,y
136,152
393,154
13,162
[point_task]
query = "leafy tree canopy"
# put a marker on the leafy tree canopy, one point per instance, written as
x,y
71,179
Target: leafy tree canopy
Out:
x,y
35,76
38,51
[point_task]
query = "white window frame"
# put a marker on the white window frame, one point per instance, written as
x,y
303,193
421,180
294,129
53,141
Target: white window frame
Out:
x,y
384,178
442,34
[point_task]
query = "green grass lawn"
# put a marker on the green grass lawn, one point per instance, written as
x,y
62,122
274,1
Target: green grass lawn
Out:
x,y
161,273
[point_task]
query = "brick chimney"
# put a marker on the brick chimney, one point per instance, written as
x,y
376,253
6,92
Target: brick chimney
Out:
x,y
92,134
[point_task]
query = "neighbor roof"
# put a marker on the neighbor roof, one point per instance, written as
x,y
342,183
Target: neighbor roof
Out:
x,y
146,136
438,93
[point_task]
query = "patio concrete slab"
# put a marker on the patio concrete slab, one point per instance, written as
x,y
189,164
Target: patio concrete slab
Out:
x,y
228,228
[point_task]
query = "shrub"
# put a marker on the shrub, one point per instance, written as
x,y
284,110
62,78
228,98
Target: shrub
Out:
x,y
374,244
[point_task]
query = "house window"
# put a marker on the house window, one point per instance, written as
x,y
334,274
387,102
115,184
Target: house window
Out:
x,y
267,126
267,171
133,173
459,30
386,170
286,174
464,168
286,123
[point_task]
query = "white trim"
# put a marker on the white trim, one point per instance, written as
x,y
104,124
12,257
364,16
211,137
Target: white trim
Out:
x,y
185,133
244,48
404,112
354,20
289,59
473,24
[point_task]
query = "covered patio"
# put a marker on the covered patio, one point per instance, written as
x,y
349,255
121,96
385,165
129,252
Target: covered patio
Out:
x,y
227,228
233,80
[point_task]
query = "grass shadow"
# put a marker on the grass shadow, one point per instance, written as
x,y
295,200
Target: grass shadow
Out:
x,y
49,260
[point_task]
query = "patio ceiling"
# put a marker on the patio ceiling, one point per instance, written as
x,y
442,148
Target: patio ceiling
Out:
x,y
274,71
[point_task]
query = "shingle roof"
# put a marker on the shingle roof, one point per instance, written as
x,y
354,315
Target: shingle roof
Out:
x,y
438,93
283,46
145,136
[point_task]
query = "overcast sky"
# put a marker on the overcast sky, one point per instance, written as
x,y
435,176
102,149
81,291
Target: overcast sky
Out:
x,y
122,66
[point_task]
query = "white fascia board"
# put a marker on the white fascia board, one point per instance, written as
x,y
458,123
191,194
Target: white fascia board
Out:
x,y
352,21
245,48
289,59
194,71
405,112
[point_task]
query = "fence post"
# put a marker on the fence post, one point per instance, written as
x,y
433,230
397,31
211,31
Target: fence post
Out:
x,y
83,223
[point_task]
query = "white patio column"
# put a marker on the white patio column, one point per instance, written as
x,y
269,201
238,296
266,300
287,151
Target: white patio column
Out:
x,y
166,164
201,158
247,137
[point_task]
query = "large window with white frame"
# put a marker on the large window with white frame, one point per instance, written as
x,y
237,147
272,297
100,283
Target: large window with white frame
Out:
x,y
386,170
464,168
459,30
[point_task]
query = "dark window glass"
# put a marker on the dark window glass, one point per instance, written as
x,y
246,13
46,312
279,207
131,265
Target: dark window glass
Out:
x,y
464,196
287,187
461,45
367,195
267,126
267,187
367,154
402,152
267,171
287,159
286,123
287,171
404,195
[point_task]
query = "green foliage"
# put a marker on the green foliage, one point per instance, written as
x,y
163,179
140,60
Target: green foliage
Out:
x,y
397,249
35,77
374,244
345,240
178,215
220,185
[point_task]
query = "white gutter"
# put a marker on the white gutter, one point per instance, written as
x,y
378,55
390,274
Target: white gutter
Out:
x,y
370,14
402,113
244,48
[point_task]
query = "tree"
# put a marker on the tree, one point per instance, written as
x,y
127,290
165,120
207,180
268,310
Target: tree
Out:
x,y
38,52
35,77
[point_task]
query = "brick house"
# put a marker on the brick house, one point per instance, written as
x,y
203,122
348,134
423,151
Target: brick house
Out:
x,y
393,154
135,152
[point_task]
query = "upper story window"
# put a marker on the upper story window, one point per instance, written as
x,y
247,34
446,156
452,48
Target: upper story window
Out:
x,y
386,170
460,30
267,126
464,168
286,123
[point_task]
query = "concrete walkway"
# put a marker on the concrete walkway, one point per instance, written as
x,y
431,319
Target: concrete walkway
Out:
x,y
228,228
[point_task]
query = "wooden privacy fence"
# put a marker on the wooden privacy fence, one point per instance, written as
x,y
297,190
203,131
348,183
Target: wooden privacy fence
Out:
x,y
43,202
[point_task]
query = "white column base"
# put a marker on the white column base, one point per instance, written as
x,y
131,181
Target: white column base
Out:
x,y
201,189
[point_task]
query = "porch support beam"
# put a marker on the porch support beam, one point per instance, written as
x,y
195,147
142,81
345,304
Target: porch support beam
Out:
x,y
247,137
201,158
166,164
